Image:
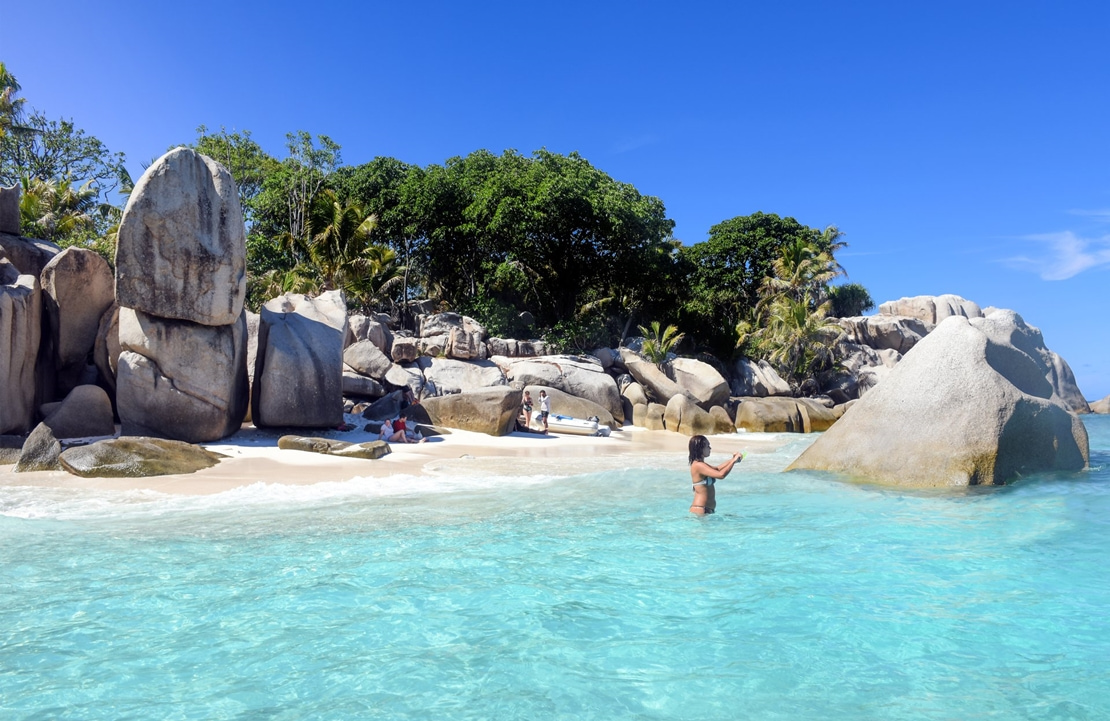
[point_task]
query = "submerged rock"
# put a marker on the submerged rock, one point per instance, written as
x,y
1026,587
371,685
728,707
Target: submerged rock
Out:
x,y
970,404
137,457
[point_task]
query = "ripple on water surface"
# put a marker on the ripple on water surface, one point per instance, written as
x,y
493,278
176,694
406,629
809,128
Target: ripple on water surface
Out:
x,y
589,595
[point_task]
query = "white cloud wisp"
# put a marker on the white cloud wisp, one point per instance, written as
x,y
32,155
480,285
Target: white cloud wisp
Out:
x,y
1064,255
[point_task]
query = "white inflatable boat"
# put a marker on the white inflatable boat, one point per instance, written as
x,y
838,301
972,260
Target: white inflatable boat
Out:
x,y
567,424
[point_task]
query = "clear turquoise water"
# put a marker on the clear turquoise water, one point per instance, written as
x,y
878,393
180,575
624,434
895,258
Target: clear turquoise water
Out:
x,y
590,595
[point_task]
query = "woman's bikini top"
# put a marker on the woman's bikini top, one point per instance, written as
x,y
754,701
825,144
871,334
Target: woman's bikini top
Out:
x,y
705,481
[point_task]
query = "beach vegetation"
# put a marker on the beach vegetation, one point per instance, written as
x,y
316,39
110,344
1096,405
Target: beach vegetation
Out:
x,y
791,326
659,342
849,300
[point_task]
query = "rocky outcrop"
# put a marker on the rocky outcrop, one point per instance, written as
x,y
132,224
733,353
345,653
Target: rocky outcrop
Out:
x,y
28,255
84,413
1101,406
299,370
1062,379
682,415
656,384
757,379
20,337
635,394
137,457
700,380
579,376
770,415
565,404
368,359
723,423
356,384
180,380
40,451
512,348
883,332
181,252
492,411
371,450
374,329
404,350
77,287
452,335
649,416
931,309
970,405
455,376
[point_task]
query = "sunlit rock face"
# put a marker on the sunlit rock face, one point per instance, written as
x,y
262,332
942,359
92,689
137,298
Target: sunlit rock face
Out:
x,y
970,404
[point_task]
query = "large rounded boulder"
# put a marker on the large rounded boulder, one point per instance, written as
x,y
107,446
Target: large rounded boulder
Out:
x,y
492,411
969,405
700,380
579,376
182,244
298,379
181,380
455,376
78,287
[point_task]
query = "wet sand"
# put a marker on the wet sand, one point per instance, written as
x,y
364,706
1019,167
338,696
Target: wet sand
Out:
x,y
253,457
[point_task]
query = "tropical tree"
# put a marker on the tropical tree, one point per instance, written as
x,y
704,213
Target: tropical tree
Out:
x,y
56,211
795,335
802,269
53,149
659,341
726,272
849,299
11,107
338,235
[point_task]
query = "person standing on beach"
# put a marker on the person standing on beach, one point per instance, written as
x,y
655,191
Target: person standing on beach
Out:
x,y
526,405
545,409
703,475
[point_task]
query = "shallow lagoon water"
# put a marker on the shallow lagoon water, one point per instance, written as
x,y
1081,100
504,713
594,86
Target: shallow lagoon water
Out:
x,y
541,590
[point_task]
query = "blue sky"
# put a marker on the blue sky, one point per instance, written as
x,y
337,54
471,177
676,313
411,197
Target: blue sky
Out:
x,y
962,147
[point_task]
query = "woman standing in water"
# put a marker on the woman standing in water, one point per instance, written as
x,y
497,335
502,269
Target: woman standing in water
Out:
x,y
703,475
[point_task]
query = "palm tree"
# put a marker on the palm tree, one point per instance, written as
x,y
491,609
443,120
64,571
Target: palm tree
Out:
x,y
373,276
54,210
802,269
658,341
798,339
338,236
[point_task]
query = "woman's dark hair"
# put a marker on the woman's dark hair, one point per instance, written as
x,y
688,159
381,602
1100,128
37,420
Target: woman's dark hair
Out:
x,y
699,448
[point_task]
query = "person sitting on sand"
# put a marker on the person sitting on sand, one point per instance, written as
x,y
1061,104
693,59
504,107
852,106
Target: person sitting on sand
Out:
x,y
703,475
410,435
390,433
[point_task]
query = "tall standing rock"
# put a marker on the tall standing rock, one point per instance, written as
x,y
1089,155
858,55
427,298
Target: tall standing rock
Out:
x,y
180,285
298,377
77,288
182,244
20,334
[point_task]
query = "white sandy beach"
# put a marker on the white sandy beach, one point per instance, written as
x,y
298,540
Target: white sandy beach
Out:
x,y
253,457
